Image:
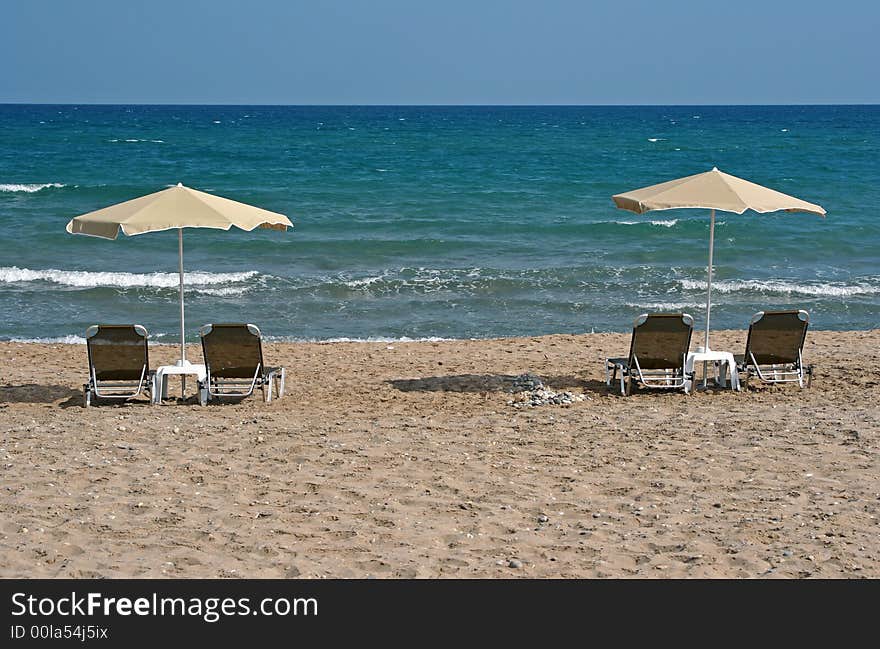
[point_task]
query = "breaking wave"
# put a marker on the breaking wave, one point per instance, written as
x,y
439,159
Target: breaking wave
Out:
x,y
79,340
666,223
665,306
60,340
31,188
823,289
94,279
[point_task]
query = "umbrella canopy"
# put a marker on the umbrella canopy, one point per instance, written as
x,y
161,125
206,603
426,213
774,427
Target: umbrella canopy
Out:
x,y
712,190
177,208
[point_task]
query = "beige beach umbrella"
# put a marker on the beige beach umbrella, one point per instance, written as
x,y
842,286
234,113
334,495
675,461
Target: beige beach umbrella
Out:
x,y
712,190
175,208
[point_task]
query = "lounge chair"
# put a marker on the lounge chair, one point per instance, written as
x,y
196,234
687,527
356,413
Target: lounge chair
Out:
x,y
657,353
774,348
234,363
119,363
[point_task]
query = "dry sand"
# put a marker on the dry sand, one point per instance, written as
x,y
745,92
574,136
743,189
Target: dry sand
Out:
x,y
406,460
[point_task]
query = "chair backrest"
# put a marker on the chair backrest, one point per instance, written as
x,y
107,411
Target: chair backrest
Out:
x,y
117,352
232,350
776,337
661,340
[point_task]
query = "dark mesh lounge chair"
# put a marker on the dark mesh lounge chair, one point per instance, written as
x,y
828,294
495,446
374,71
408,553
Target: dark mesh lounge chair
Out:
x,y
234,363
657,353
119,363
774,348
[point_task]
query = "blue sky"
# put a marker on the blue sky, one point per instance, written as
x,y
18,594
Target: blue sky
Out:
x,y
440,52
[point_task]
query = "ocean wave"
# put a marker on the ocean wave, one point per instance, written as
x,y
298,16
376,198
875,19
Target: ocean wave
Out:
x,y
665,306
823,289
427,280
368,339
29,188
474,281
365,281
79,340
226,291
666,223
93,279
60,340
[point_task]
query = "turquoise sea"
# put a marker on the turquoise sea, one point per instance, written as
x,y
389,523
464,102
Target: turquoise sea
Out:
x,y
446,222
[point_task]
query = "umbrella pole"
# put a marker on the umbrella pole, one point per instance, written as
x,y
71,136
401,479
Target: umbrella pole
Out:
x,y
182,326
709,285
709,296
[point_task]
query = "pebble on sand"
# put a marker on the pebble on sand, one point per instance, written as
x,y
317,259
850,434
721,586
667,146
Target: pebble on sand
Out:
x,y
531,392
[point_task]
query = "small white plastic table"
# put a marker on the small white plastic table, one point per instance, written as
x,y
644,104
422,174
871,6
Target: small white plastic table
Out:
x,y
724,364
160,386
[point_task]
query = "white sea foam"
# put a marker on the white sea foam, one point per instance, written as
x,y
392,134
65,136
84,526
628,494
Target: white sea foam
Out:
x,y
666,223
369,339
28,188
226,291
60,340
365,281
421,280
665,306
79,340
92,279
822,289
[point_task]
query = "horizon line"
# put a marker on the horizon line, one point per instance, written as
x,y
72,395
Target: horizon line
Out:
x,y
413,105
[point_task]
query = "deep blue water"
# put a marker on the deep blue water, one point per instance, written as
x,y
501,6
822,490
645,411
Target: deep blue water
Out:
x,y
435,221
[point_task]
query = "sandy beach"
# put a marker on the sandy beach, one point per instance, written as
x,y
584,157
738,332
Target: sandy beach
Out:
x,y
406,460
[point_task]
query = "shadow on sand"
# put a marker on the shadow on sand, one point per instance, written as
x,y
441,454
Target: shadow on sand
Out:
x,y
51,394
37,393
491,383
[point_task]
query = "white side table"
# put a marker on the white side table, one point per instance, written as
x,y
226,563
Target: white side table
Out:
x,y
160,385
723,362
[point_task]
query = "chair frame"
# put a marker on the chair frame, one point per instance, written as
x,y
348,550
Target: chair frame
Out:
x,y
215,387
99,389
794,372
631,370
